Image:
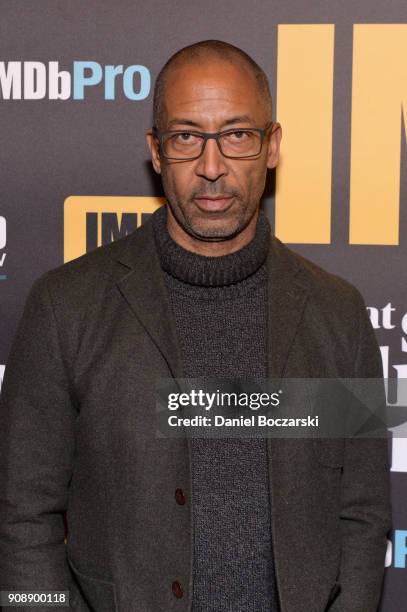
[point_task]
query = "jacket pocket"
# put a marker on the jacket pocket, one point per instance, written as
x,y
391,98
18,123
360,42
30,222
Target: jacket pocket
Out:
x,y
330,452
96,594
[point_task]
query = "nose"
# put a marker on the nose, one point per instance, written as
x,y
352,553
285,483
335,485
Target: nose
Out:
x,y
212,164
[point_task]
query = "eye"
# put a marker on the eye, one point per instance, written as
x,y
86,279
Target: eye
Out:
x,y
238,136
185,138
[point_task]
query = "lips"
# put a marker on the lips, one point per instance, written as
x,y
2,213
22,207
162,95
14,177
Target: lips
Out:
x,y
213,203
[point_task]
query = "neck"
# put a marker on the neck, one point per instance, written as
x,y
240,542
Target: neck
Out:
x,y
210,271
210,248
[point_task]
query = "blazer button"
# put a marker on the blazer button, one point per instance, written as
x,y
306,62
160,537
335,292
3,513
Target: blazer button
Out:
x,y
180,497
177,590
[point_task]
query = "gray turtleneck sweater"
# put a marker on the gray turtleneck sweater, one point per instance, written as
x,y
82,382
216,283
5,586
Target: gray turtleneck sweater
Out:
x,y
219,307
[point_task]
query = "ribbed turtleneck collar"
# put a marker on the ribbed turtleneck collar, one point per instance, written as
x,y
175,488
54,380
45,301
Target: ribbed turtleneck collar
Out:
x,y
206,271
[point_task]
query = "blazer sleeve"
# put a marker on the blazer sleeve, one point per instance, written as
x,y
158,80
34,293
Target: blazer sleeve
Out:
x,y
37,418
365,515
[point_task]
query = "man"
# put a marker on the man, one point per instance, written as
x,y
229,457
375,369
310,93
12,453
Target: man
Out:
x,y
202,289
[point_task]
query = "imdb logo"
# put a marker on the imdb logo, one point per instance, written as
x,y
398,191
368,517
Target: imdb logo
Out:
x,y
305,72
92,221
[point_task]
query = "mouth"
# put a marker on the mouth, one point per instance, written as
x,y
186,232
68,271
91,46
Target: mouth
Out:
x,y
213,203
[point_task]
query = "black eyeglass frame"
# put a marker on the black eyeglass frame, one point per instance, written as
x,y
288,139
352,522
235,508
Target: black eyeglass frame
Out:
x,y
207,136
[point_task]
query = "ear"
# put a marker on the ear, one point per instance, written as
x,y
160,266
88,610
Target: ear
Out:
x,y
273,152
154,151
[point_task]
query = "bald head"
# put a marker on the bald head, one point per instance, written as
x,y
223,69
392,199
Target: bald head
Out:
x,y
207,52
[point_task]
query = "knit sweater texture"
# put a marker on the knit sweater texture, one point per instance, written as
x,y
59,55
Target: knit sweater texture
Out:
x,y
220,311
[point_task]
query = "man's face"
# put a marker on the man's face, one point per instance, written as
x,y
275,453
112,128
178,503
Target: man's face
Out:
x,y
213,197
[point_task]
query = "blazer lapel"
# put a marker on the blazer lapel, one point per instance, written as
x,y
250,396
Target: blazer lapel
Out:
x,y
287,295
144,289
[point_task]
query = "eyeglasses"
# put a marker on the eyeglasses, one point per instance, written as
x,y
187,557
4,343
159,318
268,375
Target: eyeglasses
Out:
x,y
234,143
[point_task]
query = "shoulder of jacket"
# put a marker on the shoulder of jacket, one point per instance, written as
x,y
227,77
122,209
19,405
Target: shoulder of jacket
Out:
x,y
92,267
323,285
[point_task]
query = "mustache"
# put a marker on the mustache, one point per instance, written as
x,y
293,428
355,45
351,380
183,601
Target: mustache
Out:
x,y
213,191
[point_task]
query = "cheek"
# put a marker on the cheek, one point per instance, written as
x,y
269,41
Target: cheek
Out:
x,y
252,180
175,179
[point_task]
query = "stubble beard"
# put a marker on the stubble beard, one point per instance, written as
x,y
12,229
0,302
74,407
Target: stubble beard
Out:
x,y
197,223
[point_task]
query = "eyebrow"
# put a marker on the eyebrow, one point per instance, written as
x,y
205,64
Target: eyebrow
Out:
x,y
231,121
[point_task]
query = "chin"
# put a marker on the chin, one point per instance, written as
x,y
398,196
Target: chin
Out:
x,y
214,230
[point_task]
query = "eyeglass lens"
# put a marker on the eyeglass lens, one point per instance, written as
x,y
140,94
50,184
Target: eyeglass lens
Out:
x,y
240,143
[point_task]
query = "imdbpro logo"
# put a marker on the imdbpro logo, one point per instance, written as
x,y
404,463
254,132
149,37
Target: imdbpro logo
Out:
x,y
36,80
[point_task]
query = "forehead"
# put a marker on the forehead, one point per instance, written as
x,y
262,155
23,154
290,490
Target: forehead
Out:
x,y
212,92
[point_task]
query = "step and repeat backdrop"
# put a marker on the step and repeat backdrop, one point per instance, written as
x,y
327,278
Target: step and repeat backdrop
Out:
x,y
76,82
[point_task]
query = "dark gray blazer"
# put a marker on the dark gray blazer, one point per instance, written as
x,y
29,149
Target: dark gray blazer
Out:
x,y
77,416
